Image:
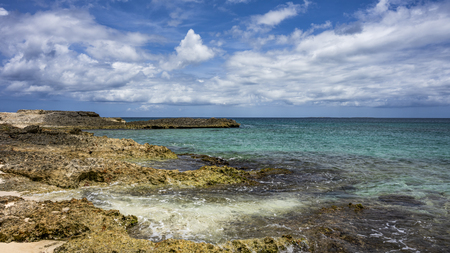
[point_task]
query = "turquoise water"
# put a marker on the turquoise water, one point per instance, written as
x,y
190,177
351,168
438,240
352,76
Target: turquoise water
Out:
x,y
384,155
385,138
391,163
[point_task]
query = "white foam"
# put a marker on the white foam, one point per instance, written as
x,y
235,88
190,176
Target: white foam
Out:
x,y
194,217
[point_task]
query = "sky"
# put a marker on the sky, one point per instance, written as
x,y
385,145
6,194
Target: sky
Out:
x,y
227,58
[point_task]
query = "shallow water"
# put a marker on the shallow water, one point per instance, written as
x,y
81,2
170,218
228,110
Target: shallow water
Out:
x,y
399,168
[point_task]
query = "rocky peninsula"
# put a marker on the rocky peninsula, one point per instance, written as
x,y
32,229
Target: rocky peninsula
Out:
x,y
46,151
91,120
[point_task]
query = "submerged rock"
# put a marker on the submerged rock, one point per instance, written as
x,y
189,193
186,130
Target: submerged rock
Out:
x,y
402,200
208,159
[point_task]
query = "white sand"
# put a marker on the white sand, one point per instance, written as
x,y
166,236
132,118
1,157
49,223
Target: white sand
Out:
x,y
11,193
17,194
46,246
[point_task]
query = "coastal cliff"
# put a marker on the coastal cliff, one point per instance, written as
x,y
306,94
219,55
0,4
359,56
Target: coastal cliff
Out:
x,y
92,120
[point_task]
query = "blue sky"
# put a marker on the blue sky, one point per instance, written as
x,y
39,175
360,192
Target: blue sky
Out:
x,y
231,58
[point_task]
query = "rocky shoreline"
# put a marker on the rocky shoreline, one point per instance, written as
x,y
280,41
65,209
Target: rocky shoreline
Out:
x,y
91,120
40,159
47,155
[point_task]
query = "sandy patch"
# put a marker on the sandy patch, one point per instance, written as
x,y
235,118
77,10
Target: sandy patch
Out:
x,y
46,246
17,194
11,193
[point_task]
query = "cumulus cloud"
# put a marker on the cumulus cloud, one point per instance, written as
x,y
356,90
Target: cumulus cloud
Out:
x,y
3,12
36,33
190,51
64,51
399,58
393,55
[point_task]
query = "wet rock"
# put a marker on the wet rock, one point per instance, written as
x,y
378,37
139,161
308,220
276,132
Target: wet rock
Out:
x,y
403,200
33,129
268,172
209,159
348,188
75,131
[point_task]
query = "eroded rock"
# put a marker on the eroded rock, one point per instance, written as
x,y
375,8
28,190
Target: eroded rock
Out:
x,y
25,220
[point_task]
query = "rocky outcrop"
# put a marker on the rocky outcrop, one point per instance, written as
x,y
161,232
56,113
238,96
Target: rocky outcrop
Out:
x,y
73,173
24,220
66,160
91,120
75,143
182,123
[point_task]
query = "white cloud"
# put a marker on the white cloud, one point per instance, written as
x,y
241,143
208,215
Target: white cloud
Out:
x,y
33,34
274,17
3,12
394,56
262,24
399,58
325,25
65,51
190,51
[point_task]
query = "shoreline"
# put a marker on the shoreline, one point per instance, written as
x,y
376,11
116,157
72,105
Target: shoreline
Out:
x,y
36,160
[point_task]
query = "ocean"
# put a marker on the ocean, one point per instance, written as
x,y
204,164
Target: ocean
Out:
x,y
398,169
